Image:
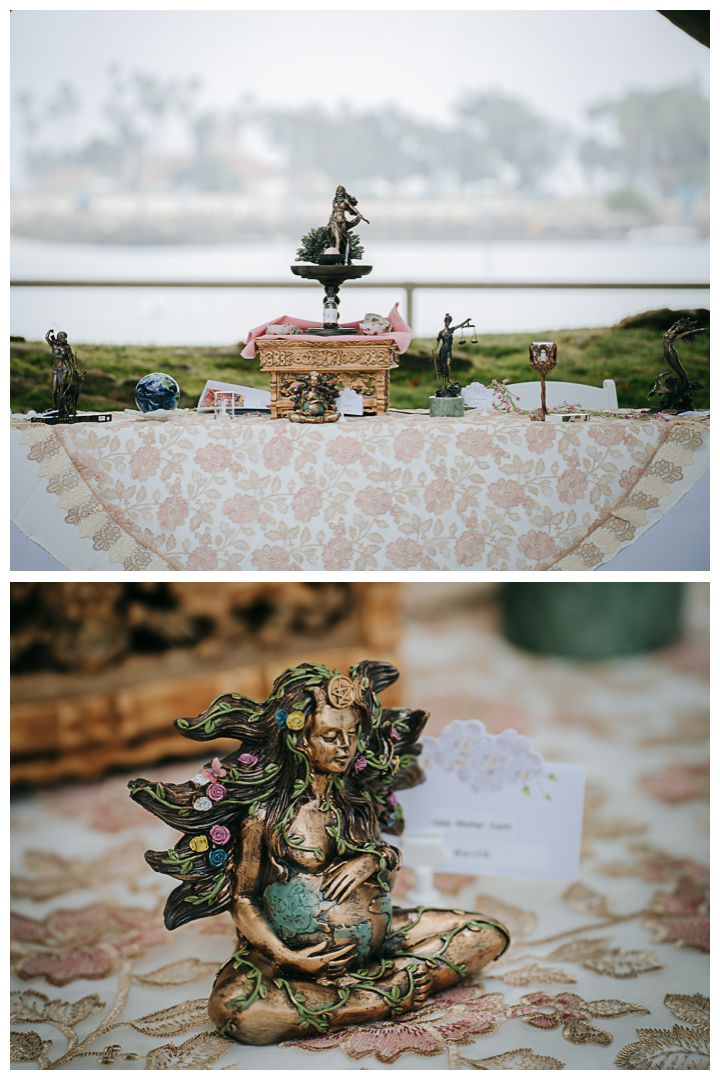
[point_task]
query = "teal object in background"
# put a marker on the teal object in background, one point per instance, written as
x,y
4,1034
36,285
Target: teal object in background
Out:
x,y
592,621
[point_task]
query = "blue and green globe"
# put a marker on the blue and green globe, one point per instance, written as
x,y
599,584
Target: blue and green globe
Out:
x,y
156,391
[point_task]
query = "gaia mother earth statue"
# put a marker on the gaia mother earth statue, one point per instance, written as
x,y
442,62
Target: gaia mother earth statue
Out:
x,y
286,836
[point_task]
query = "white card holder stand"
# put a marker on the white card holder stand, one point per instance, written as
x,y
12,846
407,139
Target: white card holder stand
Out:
x,y
422,852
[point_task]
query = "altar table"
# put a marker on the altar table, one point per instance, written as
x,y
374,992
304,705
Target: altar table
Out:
x,y
397,492
608,972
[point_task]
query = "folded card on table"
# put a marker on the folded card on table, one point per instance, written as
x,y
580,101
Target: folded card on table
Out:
x,y
246,397
502,809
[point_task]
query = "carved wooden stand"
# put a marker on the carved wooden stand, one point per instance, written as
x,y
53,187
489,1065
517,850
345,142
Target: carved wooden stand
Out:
x,y
360,364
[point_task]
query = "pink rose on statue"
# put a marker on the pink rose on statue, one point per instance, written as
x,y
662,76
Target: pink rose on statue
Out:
x,y
247,759
241,508
392,799
202,558
173,511
277,452
337,554
360,764
536,545
216,792
572,485
344,451
439,495
404,553
469,547
213,458
408,444
506,493
475,443
540,437
374,501
144,463
271,558
307,503
219,834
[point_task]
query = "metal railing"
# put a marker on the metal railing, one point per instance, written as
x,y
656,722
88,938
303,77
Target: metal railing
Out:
x,y
410,287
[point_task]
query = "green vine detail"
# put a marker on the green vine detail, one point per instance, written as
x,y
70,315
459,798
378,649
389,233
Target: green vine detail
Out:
x,y
318,1018
446,938
182,864
392,997
343,845
208,897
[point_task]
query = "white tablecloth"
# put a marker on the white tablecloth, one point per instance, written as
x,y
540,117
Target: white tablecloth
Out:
x,y
396,492
608,972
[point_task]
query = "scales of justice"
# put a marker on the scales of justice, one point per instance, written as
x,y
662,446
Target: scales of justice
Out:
x,y
326,254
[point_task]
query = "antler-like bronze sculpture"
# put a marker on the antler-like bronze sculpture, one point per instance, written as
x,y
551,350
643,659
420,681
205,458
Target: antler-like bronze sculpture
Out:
x,y
286,836
676,394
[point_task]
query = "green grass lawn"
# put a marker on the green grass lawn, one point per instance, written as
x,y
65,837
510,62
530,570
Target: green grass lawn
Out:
x,y
632,357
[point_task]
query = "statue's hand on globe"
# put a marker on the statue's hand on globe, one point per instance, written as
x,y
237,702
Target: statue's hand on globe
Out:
x,y
342,879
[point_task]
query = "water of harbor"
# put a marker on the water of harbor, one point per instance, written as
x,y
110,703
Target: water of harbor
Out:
x,y
202,316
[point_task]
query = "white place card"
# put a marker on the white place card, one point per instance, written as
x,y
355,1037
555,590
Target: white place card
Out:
x,y
477,396
349,402
501,808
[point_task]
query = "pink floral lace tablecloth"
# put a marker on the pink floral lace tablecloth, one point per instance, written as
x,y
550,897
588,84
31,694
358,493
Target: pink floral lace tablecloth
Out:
x,y
396,492
608,972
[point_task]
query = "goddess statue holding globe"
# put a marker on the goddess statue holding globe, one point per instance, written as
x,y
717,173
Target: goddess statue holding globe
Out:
x,y
286,836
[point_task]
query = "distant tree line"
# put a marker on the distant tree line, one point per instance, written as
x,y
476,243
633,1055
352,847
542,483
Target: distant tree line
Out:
x,y
654,142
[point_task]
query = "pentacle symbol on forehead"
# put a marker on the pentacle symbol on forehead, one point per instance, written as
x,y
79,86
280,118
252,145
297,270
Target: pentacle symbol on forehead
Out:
x,y
340,692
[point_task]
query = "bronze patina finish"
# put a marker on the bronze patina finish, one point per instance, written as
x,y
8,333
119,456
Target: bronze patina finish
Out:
x,y
442,358
330,247
286,836
543,358
676,394
65,389
344,203
315,397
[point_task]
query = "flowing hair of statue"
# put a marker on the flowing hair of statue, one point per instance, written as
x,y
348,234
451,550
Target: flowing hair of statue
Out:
x,y
275,779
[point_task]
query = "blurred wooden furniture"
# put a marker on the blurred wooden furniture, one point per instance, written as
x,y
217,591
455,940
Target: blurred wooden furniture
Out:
x,y
113,706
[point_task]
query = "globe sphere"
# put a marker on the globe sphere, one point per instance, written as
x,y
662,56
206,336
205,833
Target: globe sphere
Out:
x,y
156,391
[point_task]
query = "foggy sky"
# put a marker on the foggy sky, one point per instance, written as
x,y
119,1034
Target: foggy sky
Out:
x,y
421,61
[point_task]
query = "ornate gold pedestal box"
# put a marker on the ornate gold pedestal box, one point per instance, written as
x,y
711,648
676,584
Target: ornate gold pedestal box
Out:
x,y
360,364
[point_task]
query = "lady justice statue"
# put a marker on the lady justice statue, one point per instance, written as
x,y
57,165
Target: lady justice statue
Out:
x,y
286,836
443,359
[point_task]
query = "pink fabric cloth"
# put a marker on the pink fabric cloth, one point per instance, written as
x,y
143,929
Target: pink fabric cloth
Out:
x,y
400,333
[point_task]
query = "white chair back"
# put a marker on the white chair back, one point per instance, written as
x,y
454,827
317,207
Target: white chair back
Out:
x,y
587,397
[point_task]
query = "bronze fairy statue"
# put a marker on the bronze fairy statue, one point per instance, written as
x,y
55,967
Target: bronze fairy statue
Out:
x,y
286,836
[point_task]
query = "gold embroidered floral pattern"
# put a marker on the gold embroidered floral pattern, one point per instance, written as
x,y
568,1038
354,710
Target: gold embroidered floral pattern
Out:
x,y
511,1059
569,1010
469,493
679,1047
88,943
681,916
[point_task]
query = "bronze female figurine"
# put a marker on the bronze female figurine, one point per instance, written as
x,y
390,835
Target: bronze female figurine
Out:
x,y
286,837
339,226
443,359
